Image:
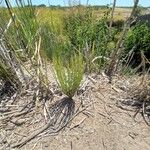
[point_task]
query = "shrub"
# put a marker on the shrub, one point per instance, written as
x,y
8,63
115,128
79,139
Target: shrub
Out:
x,y
78,25
84,29
138,37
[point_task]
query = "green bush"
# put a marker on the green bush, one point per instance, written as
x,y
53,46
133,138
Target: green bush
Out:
x,y
79,26
84,29
138,36
137,41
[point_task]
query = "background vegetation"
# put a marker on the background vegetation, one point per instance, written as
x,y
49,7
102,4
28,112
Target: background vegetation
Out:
x,y
33,34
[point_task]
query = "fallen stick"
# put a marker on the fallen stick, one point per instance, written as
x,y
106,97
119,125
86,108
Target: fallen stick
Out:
x,y
20,144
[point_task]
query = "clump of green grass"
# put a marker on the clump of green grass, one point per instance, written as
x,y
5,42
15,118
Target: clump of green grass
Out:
x,y
69,73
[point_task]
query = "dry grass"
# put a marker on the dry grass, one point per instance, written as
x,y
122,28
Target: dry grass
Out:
x,y
49,15
138,97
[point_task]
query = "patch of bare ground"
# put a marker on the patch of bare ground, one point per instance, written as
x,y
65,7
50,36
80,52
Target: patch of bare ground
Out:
x,y
96,119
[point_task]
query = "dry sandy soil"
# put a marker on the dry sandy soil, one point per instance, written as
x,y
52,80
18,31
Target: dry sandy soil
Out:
x,y
99,124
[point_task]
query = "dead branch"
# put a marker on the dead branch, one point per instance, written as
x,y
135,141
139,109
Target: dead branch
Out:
x,y
116,54
112,14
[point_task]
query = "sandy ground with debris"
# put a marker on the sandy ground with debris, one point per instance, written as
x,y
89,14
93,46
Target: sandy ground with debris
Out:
x,y
99,125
